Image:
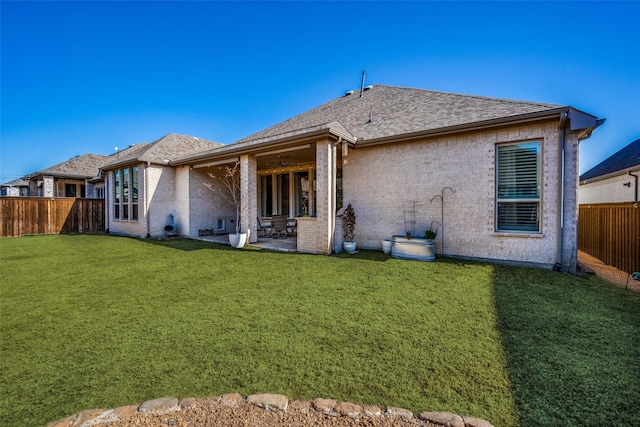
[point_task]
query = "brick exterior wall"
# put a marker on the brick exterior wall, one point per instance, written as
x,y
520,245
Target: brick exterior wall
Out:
x,y
570,204
205,205
182,215
380,181
306,235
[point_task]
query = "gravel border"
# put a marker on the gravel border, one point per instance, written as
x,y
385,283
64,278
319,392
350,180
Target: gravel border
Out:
x,y
260,410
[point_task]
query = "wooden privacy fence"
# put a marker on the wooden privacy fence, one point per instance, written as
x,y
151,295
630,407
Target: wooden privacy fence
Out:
x,y
20,216
611,233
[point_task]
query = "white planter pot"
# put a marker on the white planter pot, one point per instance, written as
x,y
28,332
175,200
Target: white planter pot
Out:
x,y
237,240
349,247
386,246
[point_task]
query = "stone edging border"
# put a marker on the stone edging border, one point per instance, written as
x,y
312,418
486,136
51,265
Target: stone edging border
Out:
x,y
270,402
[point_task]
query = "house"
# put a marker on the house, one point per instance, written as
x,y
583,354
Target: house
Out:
x,y
614,179
67,179
142,188
497,177
15,188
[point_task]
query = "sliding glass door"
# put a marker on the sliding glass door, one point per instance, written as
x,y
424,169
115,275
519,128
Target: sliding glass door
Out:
x,y
289,193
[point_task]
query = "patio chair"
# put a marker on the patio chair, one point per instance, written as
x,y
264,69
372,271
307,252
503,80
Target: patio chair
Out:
x,y
292,227
279,226
264,228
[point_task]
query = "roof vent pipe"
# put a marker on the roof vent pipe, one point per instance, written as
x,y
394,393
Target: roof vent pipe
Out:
x,y
362,84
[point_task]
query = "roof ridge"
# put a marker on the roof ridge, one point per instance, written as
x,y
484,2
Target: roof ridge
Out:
x,y
490,98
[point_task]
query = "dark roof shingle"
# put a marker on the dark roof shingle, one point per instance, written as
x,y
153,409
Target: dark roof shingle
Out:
x,y
385,111
167,148
626,158
86,165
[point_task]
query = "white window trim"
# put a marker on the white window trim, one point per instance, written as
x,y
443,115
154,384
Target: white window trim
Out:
x,y
130,203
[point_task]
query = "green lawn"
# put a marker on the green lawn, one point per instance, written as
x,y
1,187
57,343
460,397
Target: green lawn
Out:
x,y
101,321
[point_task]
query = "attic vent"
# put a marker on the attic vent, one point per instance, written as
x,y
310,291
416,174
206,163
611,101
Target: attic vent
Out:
x,y
368,87
350,92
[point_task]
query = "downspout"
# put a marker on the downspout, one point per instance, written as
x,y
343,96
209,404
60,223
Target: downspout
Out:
x,y
332,218
107,203
560,213
636,186
146,197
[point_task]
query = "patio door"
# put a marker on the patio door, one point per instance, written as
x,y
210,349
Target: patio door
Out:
x,y
266,195
302,202
282,194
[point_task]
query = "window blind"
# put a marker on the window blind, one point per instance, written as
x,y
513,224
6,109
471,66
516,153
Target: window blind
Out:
x,y
518,187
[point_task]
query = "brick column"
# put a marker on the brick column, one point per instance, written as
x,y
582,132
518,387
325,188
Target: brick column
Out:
x,y
325,183
248,196
570,205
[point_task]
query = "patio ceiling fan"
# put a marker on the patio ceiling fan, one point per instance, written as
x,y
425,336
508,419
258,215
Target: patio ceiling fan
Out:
x,y
284,164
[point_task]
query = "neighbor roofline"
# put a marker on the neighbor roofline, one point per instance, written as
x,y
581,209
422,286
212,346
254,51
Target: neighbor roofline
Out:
x,y
613,174
58,175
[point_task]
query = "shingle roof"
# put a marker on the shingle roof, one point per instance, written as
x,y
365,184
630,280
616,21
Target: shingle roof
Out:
x,y
385,111
86,165
18,182
626,158
167,148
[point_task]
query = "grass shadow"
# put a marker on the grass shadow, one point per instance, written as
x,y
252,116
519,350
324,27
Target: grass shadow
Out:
x,y
572,347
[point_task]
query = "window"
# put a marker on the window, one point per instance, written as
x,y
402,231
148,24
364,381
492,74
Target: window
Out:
x,y
125,194
266,201
518,187
70,190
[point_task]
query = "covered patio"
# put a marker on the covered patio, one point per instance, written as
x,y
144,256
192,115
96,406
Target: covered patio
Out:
x,y
298,176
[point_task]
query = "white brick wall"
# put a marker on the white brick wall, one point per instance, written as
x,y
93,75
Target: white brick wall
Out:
x,y
206,206
162,190
378,180
306,234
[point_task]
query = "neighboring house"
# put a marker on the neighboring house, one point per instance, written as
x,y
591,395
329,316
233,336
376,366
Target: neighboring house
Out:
x,y
67,179
613,180
142,189
15,188
391,152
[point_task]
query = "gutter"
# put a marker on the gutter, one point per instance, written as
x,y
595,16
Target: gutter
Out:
x,y
466,127
251,147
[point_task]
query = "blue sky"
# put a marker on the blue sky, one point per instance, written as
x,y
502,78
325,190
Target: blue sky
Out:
x,y
85,77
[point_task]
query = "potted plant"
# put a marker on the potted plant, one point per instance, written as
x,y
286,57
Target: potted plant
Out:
x,y
430,234
230,181
386,246
349,225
